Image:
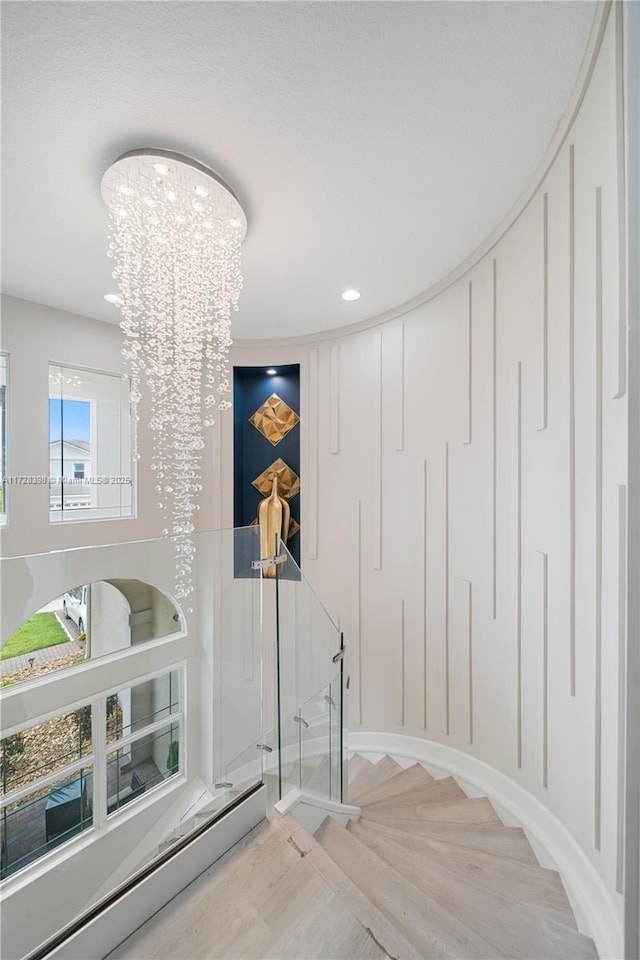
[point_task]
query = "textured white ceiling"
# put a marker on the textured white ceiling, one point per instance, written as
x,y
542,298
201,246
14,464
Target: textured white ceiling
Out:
x,y
372,144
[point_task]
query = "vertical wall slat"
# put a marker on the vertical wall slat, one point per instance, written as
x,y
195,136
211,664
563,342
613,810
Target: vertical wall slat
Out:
x,y
572,425
377,453
469,612
519,567
422,500
598,528
544,360
310,483
398,379
621,671
447,676
355,645
494,443
544,604
400,664
620,378
334,399
469,432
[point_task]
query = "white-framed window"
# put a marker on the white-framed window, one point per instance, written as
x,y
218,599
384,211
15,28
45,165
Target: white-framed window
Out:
x,y
71,772
3,437
90,445
47,787
143,731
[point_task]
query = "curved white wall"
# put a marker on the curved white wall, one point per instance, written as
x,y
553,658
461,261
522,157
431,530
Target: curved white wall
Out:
x,y
463,497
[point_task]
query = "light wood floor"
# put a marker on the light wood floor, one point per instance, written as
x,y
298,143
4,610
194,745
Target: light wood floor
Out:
x,y
424,873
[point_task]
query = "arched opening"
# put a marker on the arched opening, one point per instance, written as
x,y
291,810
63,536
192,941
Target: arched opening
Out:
x,y
86,622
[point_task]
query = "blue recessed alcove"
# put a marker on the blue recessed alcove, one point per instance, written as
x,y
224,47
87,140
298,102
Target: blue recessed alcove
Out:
x,y
252,452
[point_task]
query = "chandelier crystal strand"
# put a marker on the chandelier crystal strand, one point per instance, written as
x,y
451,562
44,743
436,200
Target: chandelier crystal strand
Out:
x,y
175,234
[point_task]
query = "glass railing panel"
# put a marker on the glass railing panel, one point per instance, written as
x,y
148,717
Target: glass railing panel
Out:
x,y
244,770
44,818
321,745
315,738
308,647
336,735
232,664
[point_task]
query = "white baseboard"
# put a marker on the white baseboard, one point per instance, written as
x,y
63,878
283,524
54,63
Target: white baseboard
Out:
x,y
594,906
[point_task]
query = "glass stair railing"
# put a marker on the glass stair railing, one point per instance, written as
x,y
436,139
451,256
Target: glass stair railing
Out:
x,y
309,688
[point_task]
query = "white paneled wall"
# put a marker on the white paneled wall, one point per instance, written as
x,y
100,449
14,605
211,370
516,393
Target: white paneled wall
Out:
x,y
463,509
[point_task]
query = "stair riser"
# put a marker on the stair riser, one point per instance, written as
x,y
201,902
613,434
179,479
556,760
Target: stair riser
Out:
x,y
436,792
409,779
453,811
507,842
372,775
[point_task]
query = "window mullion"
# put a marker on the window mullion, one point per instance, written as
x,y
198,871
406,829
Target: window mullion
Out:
x,y
171,719
12,796
99,733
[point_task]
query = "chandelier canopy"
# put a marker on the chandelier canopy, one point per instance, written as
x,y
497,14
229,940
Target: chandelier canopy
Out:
x,y
175,234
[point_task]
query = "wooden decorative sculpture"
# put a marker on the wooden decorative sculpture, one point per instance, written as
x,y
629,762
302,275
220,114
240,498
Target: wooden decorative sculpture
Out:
x,y
273,516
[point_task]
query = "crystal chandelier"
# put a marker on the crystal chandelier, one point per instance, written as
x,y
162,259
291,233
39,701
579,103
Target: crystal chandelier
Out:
x,y
175,233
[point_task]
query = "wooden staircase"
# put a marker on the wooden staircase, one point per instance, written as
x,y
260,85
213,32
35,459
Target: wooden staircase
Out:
x,y
426,872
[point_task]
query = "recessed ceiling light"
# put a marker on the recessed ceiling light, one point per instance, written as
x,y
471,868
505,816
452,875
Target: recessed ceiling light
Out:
x,y
272,371
351,295
112,298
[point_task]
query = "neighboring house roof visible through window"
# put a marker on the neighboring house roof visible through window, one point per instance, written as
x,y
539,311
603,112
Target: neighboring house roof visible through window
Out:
x,y
82,445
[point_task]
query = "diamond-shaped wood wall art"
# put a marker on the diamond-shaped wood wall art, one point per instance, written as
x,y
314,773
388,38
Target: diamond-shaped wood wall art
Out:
x,y
288,480
294,526
274,419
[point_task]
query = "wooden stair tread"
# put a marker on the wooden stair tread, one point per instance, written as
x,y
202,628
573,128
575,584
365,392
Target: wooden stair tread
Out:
x,y
529,883
265,901
514,929
382,929
434,792
469,810
323,926
414,776
506,842
375,773
433,930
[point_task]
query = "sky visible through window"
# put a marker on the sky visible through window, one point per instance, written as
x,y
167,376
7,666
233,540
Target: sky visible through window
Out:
x,y
74,416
